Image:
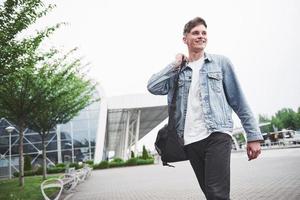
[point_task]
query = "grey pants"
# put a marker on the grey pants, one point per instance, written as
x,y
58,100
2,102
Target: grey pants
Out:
x,y
210,159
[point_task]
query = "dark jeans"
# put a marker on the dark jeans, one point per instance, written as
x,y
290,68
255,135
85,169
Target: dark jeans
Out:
x,y
210,159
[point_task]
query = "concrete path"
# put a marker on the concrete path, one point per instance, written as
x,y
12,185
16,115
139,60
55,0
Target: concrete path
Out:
x,y
275,176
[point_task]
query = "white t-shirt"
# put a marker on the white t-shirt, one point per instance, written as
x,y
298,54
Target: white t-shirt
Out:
x,y
195,129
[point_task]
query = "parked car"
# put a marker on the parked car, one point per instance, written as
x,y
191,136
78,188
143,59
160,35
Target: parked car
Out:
x,y
283,137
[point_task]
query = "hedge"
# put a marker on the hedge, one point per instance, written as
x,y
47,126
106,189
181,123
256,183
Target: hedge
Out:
x,y
120,163
60,165
116,164
76,165
103,165
145,162
39,171
131,162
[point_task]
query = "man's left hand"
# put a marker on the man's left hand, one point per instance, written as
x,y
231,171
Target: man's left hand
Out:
x,y
253,150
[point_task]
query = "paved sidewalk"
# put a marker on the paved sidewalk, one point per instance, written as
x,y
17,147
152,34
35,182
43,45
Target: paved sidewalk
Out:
x,y
275,176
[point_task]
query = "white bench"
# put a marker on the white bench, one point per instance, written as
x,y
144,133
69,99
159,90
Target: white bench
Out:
x,y
83,173
80,174
52,183
66,182
70,181
88,170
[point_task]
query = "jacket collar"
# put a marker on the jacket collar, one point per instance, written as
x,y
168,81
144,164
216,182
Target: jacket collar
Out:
x,y
207,58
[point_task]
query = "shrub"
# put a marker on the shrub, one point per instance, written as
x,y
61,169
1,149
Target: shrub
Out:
x,y
131,162
132,154
29,173
16,174
76,165
60,165
116,164
26,173
102,165
37,171
89,162
55,170
145,153
142,158
118,160
27,163
145,162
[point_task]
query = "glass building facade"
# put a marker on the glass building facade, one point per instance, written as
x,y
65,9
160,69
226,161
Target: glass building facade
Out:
x,y
71,142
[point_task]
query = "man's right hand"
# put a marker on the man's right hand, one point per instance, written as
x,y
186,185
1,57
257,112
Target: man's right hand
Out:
x,y
178,60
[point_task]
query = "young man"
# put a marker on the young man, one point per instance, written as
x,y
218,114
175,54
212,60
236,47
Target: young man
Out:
x,y
208,91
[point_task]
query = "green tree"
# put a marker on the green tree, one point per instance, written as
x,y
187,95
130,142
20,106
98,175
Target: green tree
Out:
x,y
19,56
298,119
15,17
65,92
285,118
145,154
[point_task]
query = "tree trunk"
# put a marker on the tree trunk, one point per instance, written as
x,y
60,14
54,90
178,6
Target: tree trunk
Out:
x,y
44,157
21,157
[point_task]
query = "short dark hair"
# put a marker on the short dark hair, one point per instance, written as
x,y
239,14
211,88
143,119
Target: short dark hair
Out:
x,y
193,23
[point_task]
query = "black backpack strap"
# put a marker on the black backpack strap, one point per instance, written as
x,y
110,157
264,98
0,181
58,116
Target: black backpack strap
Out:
x,y
166,164
172,106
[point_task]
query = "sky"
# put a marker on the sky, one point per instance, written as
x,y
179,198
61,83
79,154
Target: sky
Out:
x,y
125,42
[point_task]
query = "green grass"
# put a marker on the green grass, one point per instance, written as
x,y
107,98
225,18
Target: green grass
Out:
x,y
10,190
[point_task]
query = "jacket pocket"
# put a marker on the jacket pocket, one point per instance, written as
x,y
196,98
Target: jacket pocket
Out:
x,y
215,80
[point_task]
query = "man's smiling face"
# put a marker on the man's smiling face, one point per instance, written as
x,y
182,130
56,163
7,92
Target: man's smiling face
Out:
x,y
196,39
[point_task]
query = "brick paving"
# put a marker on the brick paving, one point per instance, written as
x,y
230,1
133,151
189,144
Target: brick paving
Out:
x,y
275,176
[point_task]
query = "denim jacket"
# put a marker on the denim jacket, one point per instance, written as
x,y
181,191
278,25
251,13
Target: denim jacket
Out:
x,y
220,93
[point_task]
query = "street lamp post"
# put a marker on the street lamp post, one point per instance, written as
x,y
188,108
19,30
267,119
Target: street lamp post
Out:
x,y
10,129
